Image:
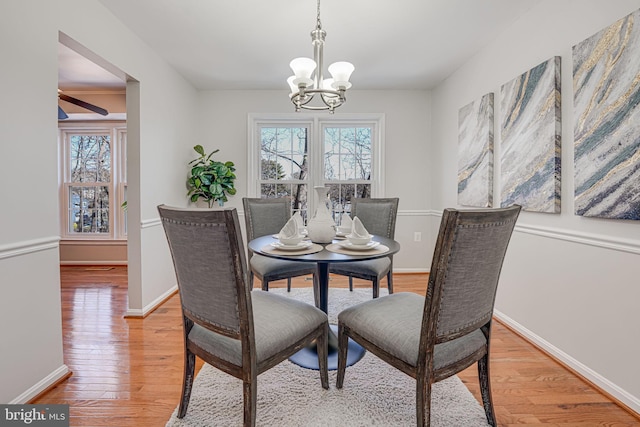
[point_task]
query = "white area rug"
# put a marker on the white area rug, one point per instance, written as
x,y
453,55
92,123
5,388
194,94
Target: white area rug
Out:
x,y
374,393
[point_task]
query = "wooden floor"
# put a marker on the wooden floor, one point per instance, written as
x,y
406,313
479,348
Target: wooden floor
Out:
x,y
128,372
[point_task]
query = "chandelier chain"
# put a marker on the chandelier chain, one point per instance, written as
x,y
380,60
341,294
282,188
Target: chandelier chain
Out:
x,y
305,84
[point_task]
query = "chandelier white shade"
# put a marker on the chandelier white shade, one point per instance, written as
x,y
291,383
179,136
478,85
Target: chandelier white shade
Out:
x,y
305,85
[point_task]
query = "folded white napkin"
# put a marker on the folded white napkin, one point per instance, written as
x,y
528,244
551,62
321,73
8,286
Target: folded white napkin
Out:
x,y
298,218
346,222
358,230
290,229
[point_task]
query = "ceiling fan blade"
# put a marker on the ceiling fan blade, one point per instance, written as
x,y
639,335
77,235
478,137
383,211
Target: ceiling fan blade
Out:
x,y
83,104
61,114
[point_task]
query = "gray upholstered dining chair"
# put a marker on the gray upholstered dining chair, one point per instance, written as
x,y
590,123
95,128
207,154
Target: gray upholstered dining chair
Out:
x,y
265,217
240,332
379,217
434,337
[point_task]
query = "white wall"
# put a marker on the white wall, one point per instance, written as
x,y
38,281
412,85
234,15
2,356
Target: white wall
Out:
x,y
570,283
30,320
30,313
91,252
224,119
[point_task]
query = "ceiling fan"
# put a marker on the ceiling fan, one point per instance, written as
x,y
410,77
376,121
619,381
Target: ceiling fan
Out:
x,y
62,115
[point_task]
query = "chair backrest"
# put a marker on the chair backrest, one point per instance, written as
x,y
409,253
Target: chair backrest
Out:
x,y
377,215
465,269
265,216
211,268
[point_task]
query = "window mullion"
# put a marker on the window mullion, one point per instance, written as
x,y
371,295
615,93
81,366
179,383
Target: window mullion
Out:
x,y
317,164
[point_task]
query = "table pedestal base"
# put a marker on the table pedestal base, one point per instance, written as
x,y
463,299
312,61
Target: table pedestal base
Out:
x,y
308,356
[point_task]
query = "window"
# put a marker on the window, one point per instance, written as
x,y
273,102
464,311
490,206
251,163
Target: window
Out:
x,y
290,156
347,164
93,181
284,163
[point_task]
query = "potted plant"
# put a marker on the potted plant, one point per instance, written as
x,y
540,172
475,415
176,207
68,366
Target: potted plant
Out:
x,y
209,179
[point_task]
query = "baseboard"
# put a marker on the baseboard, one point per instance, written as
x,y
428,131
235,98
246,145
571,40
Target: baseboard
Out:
x,y
88,263
623,398
43,385
149,308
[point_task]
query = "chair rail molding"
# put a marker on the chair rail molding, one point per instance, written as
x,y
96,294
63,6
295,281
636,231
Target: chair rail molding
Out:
x,y
149,223
29,246
433,212
591,239
409,212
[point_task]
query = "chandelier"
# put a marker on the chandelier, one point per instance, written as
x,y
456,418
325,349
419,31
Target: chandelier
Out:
x,y
305,85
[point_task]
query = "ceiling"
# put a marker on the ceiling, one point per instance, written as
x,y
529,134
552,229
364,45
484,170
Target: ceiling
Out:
x,y
248,44
76,73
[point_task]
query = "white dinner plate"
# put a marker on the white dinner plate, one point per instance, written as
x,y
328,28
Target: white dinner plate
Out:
x,y
348,245
303,232
302,245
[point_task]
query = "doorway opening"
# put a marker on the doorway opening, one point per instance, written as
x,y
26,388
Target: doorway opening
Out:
x,y
92,147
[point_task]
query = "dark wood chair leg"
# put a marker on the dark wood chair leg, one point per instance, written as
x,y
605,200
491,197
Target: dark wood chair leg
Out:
x,y
423,402
187,382
485,389
288,284
249,388
343,344
390,282
351,283
250,279
376,288
265,285
322,345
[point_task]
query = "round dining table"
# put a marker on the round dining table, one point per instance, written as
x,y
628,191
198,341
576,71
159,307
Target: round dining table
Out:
x,y
324,255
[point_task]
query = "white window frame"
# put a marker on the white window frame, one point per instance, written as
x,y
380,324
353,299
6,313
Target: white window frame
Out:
x,y
117,187
121,192
316,124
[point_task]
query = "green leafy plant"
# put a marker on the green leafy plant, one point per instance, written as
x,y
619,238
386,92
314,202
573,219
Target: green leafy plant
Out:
x,y
209,179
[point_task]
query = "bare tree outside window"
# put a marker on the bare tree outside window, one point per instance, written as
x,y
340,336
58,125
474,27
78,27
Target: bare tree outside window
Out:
x,y
90,167
346,164
284,166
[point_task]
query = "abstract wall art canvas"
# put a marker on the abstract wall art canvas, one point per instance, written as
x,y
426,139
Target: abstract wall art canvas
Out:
x,y
475,153
530,131
606,86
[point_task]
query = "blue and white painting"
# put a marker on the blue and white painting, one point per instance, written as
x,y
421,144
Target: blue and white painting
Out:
x,y
606,86
475,153
530,131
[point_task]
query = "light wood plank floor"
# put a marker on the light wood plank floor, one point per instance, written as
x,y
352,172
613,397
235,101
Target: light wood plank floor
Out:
x,y
128,372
